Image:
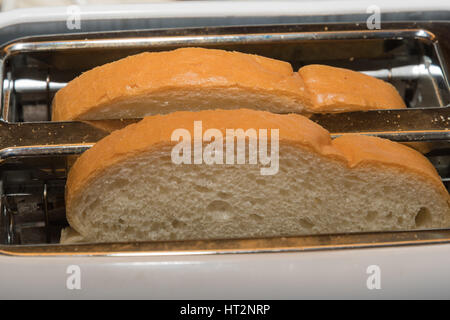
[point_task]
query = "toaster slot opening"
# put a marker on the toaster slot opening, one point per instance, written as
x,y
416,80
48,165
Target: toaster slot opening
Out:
x,y
409,59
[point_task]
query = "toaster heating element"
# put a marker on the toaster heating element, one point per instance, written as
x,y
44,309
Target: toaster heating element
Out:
x,y
35,153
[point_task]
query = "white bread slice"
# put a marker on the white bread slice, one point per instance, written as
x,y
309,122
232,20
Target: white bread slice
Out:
x,y
193,79
127,188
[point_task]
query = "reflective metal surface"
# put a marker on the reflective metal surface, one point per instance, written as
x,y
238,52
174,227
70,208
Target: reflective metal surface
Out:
x,y
233,246
216,39
64,138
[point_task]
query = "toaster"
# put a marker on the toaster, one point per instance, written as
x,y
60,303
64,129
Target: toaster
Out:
x,y
42,49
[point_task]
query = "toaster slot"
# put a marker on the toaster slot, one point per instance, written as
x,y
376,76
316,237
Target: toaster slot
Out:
x,y
34,69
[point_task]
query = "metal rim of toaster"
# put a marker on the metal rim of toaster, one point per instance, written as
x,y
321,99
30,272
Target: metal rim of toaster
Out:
x,y
237,246
161,41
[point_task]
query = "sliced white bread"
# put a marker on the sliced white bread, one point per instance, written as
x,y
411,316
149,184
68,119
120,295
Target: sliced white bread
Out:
x,y
193,79
127,187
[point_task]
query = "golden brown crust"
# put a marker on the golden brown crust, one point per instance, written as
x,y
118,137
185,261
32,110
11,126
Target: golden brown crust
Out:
x,y
294,129
185,68
342,90
314,89
365,150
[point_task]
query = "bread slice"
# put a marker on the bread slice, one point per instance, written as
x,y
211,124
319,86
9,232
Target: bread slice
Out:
x,y
193,79
127,187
